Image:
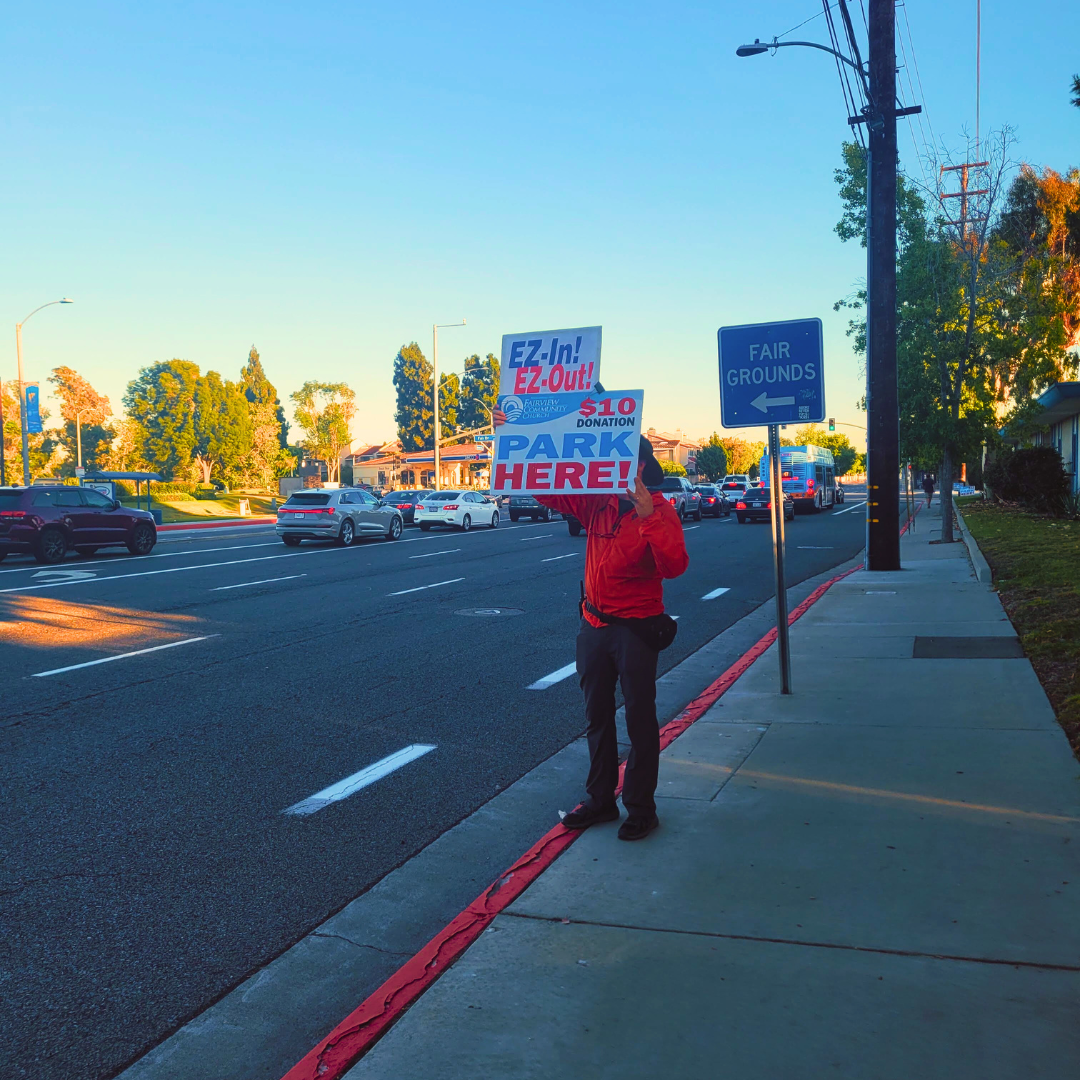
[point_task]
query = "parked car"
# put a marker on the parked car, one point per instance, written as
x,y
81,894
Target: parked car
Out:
x,y
713,501
683,496
734,484
47,522
756,505
406,501
341,516
526,506
462,509
840,495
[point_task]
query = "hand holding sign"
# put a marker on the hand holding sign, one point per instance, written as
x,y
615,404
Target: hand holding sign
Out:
x,y
641,497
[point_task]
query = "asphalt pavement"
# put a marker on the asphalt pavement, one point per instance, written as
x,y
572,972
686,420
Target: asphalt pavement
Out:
x,y
149,861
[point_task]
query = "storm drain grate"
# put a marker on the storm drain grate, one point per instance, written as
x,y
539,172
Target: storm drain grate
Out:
x,y
967,648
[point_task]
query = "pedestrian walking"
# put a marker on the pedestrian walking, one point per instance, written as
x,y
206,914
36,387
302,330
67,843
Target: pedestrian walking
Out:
x,y
635,540
928,487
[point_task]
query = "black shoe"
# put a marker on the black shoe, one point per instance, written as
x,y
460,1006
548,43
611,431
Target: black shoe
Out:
x,y
581,817
637,827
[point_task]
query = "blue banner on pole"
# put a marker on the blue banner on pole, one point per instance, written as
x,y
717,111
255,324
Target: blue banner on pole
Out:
x,y
33,412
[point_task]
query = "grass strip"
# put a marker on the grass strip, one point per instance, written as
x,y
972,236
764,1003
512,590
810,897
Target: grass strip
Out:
x,y
1035,560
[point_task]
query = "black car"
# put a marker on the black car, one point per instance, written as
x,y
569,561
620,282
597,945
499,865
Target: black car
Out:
x,y
405,501
526,506
755,505
47,522
713,502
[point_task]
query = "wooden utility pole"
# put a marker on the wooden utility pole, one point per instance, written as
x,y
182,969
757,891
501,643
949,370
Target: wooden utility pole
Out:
x,y
883,423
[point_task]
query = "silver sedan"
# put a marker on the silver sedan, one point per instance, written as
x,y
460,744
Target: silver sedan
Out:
x,y
339,515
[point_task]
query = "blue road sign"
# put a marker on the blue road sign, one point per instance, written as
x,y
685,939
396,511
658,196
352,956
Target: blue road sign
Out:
x,y
484,438
33,414
771,373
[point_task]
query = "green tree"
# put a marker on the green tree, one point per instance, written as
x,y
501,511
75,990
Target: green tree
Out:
x,y
84,412
268,457
741,455
712,459
844,454
449,402
1076,91
259,390
414,416
325,412
978,331
222,426
479,390
671,468
161,401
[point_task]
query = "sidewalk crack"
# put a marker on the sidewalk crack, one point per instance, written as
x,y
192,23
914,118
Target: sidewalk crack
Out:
x,y
360,944
877,949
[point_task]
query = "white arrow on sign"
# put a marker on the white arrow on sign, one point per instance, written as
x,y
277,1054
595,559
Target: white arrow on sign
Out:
x,y
764,402
66,575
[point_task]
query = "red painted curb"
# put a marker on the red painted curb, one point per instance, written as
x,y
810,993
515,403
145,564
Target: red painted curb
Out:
x,y
362,1028
232,523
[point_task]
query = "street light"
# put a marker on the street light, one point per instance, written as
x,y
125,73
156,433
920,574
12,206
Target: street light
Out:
x,y
22,387
436,327
760,47
878,80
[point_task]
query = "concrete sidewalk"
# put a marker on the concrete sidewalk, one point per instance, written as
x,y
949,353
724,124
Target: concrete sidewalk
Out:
x,y
875,877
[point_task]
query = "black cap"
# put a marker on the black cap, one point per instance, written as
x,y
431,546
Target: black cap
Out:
x,y
653,475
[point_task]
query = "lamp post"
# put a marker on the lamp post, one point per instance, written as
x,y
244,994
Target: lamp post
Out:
x,y
878,79
22,387
78,437
436,327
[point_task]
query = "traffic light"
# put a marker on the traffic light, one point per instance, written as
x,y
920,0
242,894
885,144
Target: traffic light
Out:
x,y
832,424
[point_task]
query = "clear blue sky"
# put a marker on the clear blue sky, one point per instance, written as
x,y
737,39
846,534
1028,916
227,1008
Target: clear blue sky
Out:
x,y
326,180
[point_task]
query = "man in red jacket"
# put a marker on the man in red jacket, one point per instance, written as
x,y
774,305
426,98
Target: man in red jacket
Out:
x,y
635,540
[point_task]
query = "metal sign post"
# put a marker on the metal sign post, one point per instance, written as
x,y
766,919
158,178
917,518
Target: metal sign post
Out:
x,y
773,374
776,502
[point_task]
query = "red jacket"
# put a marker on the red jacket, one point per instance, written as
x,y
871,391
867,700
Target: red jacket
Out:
x,y
626,558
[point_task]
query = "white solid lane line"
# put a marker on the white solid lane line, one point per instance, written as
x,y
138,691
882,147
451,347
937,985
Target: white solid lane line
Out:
x,y
352,784
540,537
170,570
122,656
848,509
690,528
264,581
556,558
554,677
428,554
714,594
421,588
122,560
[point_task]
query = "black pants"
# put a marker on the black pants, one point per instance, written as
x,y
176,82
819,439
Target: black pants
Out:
x,y
604,656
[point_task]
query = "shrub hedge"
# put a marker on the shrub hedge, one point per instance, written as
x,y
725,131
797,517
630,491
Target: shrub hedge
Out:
x,y
1033,476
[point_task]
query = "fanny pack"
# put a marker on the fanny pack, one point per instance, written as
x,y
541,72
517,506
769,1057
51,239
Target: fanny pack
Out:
x,y
657,632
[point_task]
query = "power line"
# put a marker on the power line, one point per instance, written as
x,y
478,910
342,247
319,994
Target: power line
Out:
x,y
918,76
803,23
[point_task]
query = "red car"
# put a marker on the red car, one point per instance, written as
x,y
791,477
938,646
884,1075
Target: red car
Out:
x,y
47,522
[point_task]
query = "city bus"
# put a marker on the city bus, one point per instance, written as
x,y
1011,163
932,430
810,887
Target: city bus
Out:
x,y
808,474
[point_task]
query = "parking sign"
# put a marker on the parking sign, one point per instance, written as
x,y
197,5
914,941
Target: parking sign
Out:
x,y
771,373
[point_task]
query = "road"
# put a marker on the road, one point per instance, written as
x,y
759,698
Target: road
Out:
x,y
149,864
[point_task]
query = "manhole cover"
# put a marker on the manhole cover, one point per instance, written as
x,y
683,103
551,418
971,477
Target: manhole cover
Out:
x,y
489,612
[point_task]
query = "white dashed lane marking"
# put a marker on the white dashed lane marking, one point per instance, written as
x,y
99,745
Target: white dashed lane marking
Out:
x,y
421,588
359,780
714,594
